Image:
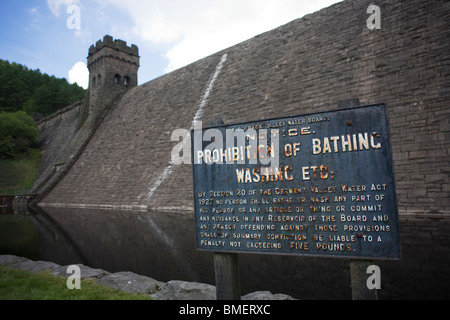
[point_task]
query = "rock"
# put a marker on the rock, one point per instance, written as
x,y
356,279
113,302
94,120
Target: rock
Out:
x,y
134,283
266,295
45,266
182,290
85,272
35,266
131,282
6,260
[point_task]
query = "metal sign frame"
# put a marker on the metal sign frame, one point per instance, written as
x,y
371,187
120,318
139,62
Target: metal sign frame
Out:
x,y
319,185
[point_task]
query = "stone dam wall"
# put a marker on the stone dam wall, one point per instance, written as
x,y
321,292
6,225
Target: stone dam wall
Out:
x,y
306,66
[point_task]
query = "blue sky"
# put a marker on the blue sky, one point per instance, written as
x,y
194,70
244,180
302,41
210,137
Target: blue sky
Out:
x,y
55,35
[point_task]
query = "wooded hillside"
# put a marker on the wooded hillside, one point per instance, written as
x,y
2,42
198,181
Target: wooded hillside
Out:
x,y
33,91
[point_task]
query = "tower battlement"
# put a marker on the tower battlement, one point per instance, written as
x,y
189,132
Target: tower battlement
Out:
x,y
113,69
118,44
111,63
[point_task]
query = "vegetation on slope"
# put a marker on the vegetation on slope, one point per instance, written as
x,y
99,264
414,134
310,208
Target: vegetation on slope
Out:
x,y
33,91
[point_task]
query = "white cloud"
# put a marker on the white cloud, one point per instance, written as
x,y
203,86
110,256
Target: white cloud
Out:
x,y
54,5
34,11
79,74
197,28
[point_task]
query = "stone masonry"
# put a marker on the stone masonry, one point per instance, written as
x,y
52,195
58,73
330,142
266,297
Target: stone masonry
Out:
x,y
306,66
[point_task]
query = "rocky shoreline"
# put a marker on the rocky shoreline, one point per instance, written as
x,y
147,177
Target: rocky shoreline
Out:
x,y
134,283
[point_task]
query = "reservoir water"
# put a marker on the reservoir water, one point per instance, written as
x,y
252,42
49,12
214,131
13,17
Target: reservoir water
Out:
x,y
161,245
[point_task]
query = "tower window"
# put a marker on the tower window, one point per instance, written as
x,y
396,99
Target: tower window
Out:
x,y
117,79
94,82
126,81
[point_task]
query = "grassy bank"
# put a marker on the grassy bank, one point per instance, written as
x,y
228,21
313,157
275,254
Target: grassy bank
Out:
x,y
19,173
24,285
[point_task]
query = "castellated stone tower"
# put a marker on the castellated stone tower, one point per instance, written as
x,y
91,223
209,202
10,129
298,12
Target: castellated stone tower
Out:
x,y
113,68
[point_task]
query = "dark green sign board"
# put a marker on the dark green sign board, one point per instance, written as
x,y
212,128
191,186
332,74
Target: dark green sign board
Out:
x,y
317,185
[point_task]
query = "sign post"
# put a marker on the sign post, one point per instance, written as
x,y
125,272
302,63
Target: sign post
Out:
x,y
358,268
226,266
358,276
317,185
227,276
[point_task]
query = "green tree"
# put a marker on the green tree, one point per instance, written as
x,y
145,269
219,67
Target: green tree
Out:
x,y
7,148
33,91
19,128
